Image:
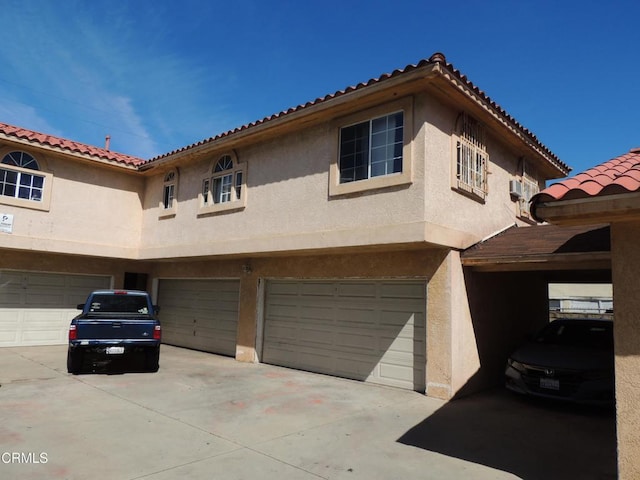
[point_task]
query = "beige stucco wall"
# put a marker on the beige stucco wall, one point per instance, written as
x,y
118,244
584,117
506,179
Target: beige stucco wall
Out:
x,y
289,207
70,264
625,268
479,218
94,210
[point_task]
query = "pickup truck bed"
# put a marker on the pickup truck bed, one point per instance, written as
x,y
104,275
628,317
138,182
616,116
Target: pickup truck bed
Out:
x,y
114,324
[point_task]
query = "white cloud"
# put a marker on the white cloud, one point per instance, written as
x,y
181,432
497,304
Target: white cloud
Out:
x,y
21,115
89,69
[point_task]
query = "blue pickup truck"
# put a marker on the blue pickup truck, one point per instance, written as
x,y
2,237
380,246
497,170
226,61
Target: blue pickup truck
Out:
x,y
114,323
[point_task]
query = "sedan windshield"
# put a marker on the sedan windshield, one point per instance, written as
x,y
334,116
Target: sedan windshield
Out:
x,y
597,335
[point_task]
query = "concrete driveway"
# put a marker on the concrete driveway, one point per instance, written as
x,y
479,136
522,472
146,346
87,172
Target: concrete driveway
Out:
x,y
204,416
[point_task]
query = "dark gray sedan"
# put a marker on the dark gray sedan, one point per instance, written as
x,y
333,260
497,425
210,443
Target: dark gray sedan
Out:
x,y
569,359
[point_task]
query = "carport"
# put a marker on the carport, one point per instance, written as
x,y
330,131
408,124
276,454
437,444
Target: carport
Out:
x,y
507,278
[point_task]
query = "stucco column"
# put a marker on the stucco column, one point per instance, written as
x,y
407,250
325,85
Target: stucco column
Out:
x,y
439,332
247,318
626,302
452,351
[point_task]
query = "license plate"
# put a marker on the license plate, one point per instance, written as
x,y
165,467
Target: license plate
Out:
x,y
550,383
115,350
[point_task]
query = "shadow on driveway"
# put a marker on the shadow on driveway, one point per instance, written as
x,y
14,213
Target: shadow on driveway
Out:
x,y
529,438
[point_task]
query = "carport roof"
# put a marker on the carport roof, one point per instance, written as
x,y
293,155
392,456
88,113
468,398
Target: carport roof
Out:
x,y
543,247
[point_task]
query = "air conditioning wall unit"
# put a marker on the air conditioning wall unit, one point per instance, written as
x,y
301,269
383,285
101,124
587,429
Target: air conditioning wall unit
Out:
x,y
515,188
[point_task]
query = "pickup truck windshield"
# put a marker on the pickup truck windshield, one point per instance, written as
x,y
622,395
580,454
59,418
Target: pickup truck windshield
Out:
x,y
119,304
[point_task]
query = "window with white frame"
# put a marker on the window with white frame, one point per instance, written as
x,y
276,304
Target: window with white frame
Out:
x,y
372,148
224,186
471,156
530,187
225,183
18,178
169,190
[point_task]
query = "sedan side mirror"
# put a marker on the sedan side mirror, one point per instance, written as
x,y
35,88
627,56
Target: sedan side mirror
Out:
x,y
80,306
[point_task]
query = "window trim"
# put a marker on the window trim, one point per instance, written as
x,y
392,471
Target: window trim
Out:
x,y
44,204
237,192
167,182
383,181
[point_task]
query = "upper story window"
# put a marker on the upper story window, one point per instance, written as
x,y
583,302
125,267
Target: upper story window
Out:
x,y
169,203
471,156
530,187
373,149
224,186
22,183
169,190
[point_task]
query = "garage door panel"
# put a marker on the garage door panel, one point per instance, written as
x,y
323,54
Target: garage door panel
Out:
x,y
9,326
315,313
395,373
281,331
36,308
10,298
315,337
311,289
357,343
356,289
408,291
400,344
356,315
200,314
43,279
52,298
366,330
284,311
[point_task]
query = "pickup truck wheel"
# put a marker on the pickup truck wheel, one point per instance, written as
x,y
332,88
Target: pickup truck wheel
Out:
x,y
152,360
74,362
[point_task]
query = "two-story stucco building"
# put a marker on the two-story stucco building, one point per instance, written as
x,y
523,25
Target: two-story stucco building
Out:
x,y
326,237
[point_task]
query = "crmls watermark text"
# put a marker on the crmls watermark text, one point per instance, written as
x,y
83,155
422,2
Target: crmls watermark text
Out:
x,y
24,457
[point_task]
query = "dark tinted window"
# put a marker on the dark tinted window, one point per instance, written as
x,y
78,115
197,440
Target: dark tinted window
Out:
x,y
119,304
579,334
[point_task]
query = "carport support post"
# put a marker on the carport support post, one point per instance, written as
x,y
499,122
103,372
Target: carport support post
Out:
x,y
625,265
439,332
452,356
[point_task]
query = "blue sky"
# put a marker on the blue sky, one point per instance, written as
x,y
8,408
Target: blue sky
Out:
x,y
157,75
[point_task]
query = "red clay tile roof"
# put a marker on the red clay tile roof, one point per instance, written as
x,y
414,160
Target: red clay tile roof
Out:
x,y
619,175
66,145
436,58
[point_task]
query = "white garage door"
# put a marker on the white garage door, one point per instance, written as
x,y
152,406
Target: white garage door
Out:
x,y
365,330
36,308
200,314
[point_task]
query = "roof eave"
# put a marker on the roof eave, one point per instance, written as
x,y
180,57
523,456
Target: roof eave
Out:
x,y
66,152
401,82
337,105
589,210
545,262
505,121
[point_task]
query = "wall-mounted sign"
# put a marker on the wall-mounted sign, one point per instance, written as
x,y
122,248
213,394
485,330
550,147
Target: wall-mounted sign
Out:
x,y
6,223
